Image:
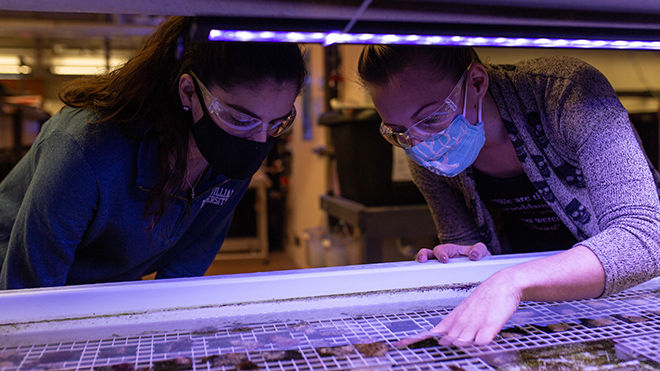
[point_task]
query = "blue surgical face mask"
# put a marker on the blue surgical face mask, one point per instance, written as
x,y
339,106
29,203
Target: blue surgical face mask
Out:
x,y
453,149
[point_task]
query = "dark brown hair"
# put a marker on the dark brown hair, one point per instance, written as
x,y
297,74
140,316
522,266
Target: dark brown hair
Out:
x,y
142,96
378,63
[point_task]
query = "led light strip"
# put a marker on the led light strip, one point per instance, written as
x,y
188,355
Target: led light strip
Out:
x,y
328,38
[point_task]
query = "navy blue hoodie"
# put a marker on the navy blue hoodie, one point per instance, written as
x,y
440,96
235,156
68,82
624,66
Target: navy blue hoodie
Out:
x,y
71,211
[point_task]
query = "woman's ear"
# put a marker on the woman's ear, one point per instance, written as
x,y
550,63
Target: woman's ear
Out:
x,y
478,78
187,91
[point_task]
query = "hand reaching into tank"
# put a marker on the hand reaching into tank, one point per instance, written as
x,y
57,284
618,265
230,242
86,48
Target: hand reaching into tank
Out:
x,y
570,275
444,252
481,316
478,318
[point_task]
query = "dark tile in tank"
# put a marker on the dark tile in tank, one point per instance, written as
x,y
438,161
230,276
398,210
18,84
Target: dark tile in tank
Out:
x,y
513,333
272,337
55,358
597,322
10,358
630,318
223,342
229,359
638,301
176,364
116,367
322,333
523,317
247,365
405,325
601,304
434,320
182,345
118,351
550,328
425,343
374,349
566,309
62,356
335,351
278,339
526,313
281,355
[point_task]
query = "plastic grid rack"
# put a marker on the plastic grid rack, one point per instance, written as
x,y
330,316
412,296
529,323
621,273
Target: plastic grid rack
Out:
x,y
627,325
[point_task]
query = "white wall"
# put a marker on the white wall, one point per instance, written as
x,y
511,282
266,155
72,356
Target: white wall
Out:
x,y
308,179
353,92
625,69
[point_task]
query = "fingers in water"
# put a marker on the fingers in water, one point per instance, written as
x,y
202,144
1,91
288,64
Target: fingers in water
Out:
x,y
446,340
414,339
462,342
456,341
486,335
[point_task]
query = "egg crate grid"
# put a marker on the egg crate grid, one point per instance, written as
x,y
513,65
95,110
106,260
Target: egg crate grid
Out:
x,y
629,314
641,347
632,318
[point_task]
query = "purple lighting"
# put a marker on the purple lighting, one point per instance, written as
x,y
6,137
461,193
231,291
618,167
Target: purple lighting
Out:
x,y
328,38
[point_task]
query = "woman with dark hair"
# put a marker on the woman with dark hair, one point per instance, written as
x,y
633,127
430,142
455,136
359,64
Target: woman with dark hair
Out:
x,y
535,156
142,169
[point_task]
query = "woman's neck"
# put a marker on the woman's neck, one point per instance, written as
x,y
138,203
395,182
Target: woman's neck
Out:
x,y
498,156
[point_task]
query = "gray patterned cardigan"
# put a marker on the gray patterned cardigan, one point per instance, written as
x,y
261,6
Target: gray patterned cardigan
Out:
x,y
577,146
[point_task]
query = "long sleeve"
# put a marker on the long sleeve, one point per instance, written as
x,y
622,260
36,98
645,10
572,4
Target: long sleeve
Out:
x,y
619,182
576,143
57,208
448,205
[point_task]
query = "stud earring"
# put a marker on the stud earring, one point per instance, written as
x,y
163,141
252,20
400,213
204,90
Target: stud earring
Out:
x,y
186,108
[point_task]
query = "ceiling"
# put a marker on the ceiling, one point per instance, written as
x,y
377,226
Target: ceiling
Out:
x,y
29,29
121,24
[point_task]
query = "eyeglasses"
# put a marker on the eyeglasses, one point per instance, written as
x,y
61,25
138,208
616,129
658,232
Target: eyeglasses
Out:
x,y
430,125
241,124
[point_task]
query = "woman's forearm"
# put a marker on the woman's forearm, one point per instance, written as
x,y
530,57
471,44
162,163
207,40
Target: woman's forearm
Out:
x,y
573,274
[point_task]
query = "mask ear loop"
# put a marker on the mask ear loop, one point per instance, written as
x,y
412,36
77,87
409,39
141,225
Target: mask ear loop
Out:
x,y
479,106
466,76
465,96
479,102
200,95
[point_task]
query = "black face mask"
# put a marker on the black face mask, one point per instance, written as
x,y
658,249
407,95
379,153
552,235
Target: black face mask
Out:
x,y
233,157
